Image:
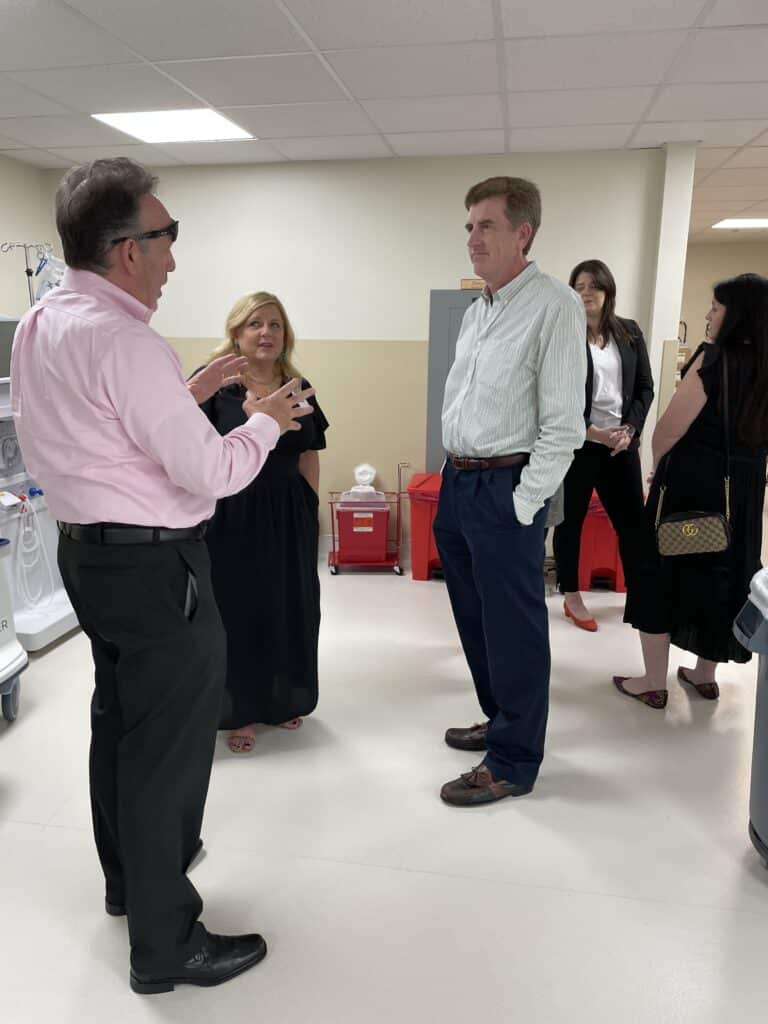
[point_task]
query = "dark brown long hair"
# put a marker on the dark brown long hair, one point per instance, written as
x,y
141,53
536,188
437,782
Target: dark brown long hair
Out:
x,y
744,332
604,280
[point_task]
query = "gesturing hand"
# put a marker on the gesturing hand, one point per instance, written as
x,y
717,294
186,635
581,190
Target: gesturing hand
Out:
x,y
284,405
217,374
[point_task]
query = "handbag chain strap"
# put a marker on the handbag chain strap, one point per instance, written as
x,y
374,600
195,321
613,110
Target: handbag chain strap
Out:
x,y
726,444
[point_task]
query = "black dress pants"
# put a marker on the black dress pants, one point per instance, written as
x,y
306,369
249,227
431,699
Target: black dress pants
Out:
x,y
159,652
619,485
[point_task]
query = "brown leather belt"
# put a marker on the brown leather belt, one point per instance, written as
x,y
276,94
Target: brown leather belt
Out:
x,y
497,462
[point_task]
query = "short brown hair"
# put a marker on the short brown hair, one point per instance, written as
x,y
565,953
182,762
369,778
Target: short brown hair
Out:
x,y
96,203
523,201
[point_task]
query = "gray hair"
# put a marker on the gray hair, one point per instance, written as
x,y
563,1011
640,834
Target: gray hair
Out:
x,y
96,203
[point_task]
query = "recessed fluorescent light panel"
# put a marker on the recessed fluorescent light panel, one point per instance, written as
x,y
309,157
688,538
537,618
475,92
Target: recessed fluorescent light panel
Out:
x,y
742,222
200,125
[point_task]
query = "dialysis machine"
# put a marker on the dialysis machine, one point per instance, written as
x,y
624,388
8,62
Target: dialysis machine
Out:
x,y
42,612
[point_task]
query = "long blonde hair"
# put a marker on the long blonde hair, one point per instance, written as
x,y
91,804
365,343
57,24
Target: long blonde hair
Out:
x,y
239,316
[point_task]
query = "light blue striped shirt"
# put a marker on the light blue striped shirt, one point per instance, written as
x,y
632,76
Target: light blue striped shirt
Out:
x,y
517,383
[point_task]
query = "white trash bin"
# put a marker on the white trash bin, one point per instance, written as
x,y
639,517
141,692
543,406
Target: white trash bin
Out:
x,y
13,657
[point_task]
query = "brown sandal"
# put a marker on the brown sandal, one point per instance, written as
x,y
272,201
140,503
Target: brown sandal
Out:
x,y
709,691
656,699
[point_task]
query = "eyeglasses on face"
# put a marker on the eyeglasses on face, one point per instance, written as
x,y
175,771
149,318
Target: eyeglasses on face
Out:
x,y
172,231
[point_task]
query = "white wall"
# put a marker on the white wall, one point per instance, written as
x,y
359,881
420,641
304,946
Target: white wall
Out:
x,y
705,266
354,247
26,214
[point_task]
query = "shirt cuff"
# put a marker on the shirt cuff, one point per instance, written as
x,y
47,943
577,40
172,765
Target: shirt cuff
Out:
x,y
265,426
524,510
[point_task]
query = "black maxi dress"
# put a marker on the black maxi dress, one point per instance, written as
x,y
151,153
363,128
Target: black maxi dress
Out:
x,y
696,598
263,546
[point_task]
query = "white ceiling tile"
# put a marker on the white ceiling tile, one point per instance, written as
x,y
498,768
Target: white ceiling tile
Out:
x,y
253,81
17,101
724,55
447,143
152,156
75,130
585,62
115,88
697,102
248,151
604,136
743,193
738,12
734,236
587,106
347,24
39,158
412,71
707,156
699,223
739,176
292,120
709,133
44,33
343,147
195,28
706,206
442,113
752,156
553,17
6,143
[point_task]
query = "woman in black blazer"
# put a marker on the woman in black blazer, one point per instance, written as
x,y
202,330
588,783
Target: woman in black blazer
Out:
x,y
619,391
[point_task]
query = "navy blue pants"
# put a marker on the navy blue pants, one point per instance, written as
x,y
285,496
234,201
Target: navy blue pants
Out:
x,y
493,567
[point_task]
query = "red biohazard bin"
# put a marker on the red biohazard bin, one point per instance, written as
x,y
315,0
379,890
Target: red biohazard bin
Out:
x,y
424,493
599,555
363,532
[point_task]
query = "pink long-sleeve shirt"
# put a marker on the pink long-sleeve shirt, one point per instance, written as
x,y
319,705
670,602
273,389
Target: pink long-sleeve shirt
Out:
x,y
106,423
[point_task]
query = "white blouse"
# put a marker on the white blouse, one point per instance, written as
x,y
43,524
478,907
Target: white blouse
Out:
x,y
606,385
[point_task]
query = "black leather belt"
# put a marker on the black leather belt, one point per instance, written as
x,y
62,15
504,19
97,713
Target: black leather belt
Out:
x,y
122,533
497,462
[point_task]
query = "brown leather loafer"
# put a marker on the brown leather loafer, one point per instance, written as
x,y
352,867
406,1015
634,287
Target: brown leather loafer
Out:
x,y
479,787
473,738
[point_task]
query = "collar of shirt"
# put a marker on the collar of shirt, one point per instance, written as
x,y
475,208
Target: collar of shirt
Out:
x,y
509,290
85,282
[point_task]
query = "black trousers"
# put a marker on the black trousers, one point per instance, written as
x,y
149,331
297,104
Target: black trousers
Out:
x,y
493,569
619,483
159,654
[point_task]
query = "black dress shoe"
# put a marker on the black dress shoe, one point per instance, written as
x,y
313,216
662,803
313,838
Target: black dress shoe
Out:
x,y
473,738
117,909
219,958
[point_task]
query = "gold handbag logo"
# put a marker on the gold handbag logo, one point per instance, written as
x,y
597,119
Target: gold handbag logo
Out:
x,y
690,530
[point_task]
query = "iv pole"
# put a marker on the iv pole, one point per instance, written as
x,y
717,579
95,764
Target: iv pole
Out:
x,y
40,249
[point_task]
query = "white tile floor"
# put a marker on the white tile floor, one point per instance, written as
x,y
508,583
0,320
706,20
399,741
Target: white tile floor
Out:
x,y
623,890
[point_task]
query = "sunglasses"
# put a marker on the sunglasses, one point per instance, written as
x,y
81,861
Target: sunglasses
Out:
x,y
172,231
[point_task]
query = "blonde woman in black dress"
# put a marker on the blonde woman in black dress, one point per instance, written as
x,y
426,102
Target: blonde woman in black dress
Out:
x,y
263,541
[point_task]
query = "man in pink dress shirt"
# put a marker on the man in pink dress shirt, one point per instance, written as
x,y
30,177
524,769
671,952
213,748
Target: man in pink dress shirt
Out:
x,y
131,469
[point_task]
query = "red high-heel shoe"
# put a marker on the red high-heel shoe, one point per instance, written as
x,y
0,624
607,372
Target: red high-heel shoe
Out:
x,y
588,624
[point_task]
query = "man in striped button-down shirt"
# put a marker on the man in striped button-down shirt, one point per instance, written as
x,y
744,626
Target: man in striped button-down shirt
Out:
x,y
512,416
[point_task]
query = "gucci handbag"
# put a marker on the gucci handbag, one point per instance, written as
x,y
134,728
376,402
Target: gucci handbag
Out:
x,y
698,533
